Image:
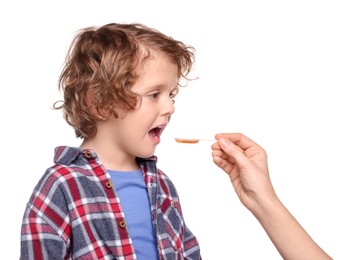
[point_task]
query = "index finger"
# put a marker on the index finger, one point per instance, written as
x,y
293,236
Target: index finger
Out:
x,y
237,138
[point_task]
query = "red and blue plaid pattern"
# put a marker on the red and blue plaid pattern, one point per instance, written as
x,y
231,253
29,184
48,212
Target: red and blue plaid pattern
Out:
x,y
74,213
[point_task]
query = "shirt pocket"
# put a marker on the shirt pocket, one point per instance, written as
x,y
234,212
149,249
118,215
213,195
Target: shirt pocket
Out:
x,y
170,226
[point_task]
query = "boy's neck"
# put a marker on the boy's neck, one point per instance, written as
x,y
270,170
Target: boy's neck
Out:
x,y
110,157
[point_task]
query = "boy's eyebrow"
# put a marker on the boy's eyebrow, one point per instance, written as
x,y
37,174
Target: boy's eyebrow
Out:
x,y
156,87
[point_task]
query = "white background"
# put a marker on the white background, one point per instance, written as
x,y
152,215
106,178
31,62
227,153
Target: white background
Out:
x,y
268,69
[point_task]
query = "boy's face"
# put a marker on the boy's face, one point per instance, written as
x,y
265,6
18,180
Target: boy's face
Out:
x,y
137,132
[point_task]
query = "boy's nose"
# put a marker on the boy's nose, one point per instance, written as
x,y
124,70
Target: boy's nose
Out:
x,y
168,107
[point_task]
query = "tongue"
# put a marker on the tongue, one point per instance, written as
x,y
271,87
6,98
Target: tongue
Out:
x,y
154,134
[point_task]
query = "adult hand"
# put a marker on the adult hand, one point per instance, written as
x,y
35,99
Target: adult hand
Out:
x,y
246,164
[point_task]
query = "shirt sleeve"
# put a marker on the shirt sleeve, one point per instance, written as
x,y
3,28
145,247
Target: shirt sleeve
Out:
x,y
39,237
191,246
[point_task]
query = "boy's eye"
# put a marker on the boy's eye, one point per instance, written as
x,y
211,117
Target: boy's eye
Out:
x,y
174,93
154,95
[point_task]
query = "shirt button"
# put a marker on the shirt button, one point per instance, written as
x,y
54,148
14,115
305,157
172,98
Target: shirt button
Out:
x,y
109,185
174,204
88,154
122,223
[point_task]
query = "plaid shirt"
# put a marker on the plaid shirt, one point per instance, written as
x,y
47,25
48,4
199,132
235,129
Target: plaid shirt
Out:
x,y
75,213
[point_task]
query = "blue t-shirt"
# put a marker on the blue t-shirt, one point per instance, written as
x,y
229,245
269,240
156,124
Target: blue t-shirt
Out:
x,y
135,204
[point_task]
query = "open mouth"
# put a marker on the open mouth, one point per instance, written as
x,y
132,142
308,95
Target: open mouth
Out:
x,y
155,133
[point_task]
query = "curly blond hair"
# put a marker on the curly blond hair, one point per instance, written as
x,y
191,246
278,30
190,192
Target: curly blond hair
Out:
x,y
101,68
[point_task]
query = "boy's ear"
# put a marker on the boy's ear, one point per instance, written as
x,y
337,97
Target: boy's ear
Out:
x,y
101,114
97,113
104,113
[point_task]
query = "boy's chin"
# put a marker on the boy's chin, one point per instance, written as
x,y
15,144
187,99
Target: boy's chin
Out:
x,y
146,154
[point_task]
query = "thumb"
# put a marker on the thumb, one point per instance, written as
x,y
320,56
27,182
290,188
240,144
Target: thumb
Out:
x,y
233,151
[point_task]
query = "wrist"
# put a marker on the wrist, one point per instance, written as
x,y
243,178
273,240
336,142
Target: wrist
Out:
x,y
266,204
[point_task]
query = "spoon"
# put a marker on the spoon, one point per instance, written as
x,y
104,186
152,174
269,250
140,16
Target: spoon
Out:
x,y
191,141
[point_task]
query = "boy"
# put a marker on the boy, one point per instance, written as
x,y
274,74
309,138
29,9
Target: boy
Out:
x,y
107,199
